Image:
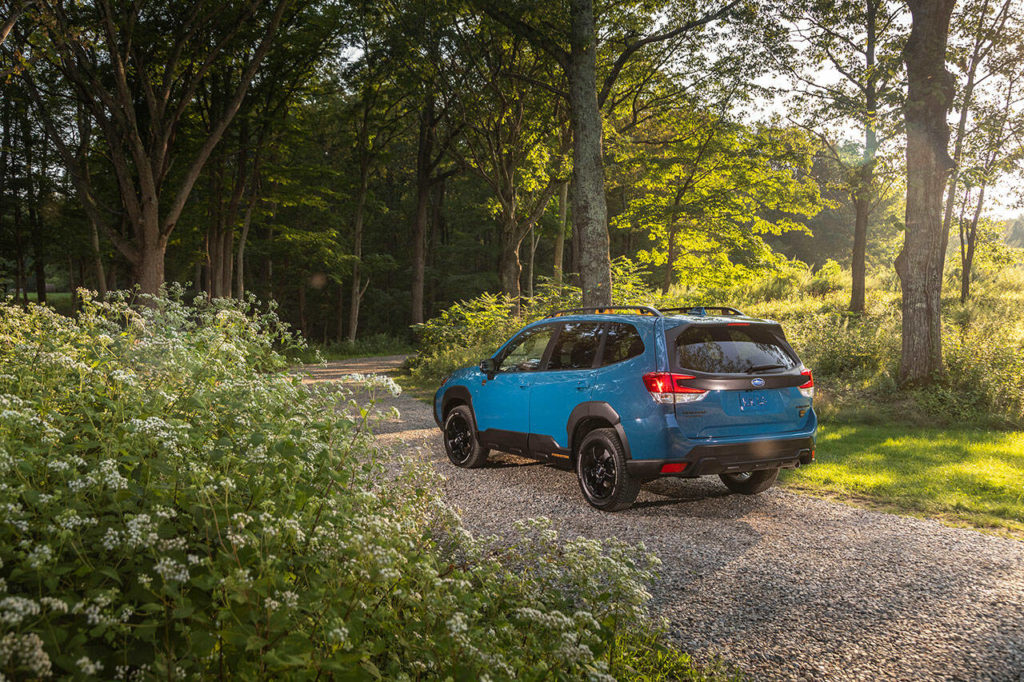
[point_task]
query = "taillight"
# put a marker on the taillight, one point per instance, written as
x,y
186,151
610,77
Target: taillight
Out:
x,y
807,388
667,388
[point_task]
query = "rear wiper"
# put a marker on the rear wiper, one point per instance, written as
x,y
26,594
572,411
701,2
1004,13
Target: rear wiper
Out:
x,y
761,368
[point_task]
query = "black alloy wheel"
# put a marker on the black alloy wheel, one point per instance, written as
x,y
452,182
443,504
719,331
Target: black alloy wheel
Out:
x,y
460,442
601,470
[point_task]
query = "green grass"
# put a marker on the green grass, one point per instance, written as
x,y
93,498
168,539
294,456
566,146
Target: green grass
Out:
x,y
645,655
371,346
58,300
962,476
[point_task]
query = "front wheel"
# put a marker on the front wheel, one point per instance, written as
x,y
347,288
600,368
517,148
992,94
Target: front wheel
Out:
x,y
601,469
750,482
460,442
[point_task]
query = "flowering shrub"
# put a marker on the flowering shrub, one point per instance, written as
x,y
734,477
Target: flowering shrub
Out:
x,y
174,505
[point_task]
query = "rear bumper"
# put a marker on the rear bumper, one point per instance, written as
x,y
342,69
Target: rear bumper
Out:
x,y
786,453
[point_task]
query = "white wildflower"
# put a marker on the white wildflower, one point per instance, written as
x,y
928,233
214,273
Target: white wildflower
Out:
x,y
171,570
89,667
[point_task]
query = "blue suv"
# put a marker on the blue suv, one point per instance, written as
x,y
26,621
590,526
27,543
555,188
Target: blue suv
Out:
x,y
625,395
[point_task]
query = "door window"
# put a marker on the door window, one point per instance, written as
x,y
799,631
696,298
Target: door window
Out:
x,y
576,346
526,351
622,342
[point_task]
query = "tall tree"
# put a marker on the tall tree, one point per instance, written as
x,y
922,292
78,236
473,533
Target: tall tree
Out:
x,y
859,40
920,263
574,45
378,112
993,148
510,138
710,189
424,33
984,31
136,70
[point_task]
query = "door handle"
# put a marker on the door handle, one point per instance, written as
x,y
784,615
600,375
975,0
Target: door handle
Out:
x,y
581,385
524,386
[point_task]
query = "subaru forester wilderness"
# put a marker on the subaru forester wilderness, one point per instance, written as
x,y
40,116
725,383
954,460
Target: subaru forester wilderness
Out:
x,y
627,394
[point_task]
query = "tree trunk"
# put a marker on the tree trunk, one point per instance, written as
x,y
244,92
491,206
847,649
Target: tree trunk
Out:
x,y
240,256
673,213
531,251
38,258
509,267
357,248
858,266
20,289
968,243
671,260
149,269
563,214
920,263
97,254
424,153
302,306
72,284
438,229
227,248
339,335
865,190
589,209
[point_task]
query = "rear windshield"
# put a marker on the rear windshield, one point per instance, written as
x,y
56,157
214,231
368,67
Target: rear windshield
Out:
x,y
731,350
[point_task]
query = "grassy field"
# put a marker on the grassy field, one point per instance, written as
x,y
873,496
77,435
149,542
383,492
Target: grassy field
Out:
x,y
962,476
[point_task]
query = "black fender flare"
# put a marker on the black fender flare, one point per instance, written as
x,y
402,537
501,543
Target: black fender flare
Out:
x,y
600,410
451,395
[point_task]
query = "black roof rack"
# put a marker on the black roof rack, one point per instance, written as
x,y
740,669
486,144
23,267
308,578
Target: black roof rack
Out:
x,y
702,310
598,310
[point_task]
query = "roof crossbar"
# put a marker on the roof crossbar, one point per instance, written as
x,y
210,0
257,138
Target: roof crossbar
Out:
x,y
598,310
703,310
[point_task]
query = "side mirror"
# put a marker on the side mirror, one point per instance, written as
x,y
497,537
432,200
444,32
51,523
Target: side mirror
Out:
x,y
489,367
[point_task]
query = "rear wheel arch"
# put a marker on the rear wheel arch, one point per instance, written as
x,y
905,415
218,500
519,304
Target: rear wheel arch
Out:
x,y
591,415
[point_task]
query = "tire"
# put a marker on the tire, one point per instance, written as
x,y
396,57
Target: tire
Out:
x,y
460,441
602,474
750,482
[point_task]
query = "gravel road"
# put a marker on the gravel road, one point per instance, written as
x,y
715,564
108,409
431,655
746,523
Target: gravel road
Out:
x,y
780,585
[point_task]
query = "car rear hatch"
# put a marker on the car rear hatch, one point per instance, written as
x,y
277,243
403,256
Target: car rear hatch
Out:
x,y
743,379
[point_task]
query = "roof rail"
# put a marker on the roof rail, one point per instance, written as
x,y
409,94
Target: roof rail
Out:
x,y
599,310
702,310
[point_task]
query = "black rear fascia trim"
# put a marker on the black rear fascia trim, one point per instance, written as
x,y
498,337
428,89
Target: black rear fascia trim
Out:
x,y
703,460
743,382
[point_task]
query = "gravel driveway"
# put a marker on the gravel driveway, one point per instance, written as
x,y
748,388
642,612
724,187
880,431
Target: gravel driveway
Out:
x,y
781,585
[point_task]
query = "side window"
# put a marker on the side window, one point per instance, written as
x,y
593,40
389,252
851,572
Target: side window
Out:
x,y
622,343
526,351
576,346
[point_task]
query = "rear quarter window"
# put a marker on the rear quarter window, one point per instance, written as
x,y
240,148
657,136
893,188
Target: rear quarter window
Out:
x,y
731,349
622,342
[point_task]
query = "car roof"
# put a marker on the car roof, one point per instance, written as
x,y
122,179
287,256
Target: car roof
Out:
x,y
672,320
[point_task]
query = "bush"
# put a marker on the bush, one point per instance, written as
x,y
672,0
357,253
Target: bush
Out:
x,y
827,279
175,506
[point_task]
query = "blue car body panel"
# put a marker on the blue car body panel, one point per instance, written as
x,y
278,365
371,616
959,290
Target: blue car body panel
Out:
x,y
534,412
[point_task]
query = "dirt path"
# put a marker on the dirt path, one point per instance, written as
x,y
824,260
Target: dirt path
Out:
x,y
782,585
